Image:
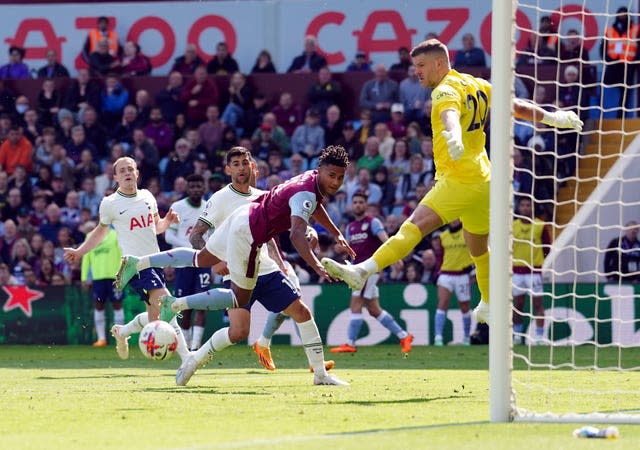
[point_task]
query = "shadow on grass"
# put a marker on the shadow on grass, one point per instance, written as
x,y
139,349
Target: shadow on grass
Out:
x,y
411,428
393,402
202,390
94,377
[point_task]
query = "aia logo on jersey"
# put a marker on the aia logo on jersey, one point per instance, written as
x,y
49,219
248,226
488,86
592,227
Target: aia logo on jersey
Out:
x,y
141,222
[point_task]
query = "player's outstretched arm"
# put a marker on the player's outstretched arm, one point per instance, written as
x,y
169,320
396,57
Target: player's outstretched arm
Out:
x,y
320,214
559,119
72,255
196,238
274,253
298,236
166,221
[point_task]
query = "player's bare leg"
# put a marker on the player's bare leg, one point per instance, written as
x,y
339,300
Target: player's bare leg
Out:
x,y
478,245
422,221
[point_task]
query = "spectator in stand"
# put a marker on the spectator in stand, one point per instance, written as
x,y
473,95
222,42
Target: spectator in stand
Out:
x,y
622,257
372,159
379,94
619,50
277,133
360,63
49,101
13,204
8,240
288,114
65,123
7,100
469,55
308,138
159,132
333,125
195,144
255,115
396,126
276,165
52,224
199,93
310,60
263,63
42,155
113,98
385,140
86,167
77,144
430,267
349,141
414,137
31,127
16,150
82,92
43,183
398,161
222,63
381,178
105,181
89,198
62,168
101,62
134,62
123,131
180,165
143,106
70,212
210,132
94,131
188,62
104,30
265,144
296,165
325,92
426,150
404,61
406,187
365,128
573,51
21,180
15,69
240,99
22,106
146,156
53,68
543,45
168,99
24,227
412,95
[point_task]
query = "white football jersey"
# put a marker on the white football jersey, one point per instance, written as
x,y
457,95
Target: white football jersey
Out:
x,y
133,218
178,233
222,204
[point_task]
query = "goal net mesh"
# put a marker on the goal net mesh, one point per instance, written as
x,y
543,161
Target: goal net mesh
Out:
x,y
576,355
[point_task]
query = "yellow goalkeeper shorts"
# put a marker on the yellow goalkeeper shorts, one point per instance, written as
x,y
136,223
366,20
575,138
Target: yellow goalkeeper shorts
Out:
x,y
451,200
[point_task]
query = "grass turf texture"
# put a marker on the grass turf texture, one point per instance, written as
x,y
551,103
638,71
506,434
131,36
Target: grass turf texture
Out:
x,y
78,397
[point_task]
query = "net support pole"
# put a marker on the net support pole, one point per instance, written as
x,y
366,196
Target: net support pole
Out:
x,y
502,55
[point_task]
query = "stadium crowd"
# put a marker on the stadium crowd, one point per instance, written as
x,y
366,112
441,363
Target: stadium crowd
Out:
x,y
56,156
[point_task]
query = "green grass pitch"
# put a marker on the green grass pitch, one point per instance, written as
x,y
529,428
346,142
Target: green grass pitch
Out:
x,y
72,397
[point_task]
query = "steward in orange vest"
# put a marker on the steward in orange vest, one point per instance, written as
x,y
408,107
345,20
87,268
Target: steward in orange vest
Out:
x,y
98,34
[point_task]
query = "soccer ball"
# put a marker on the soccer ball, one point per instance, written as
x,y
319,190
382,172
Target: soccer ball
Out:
x,y
158,340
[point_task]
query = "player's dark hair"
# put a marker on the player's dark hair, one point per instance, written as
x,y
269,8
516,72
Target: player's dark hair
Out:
x,y
334,155
236,151
430,46
195,178
361,194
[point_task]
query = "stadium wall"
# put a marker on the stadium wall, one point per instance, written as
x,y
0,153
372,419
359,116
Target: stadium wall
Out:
x,y
64,315
378,28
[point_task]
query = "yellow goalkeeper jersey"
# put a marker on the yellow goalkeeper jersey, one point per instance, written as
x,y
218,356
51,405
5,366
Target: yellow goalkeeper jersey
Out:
x,y
527,243
456,254
471,98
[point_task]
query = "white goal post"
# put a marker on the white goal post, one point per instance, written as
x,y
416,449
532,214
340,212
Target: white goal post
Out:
x,y
593,375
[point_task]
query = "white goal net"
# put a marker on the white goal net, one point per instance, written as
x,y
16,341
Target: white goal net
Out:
x,y
570,349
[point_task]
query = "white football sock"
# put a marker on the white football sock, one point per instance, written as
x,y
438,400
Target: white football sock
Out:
x,y
182,349
312,344
196,337
370,265
187,334
118,316
101,323
135,325
219,341
264,342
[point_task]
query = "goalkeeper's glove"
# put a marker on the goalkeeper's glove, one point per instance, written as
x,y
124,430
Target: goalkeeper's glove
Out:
x,y
454,143
562,119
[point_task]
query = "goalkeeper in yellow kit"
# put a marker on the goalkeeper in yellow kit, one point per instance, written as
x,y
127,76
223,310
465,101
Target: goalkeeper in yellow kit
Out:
x,y
460,108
